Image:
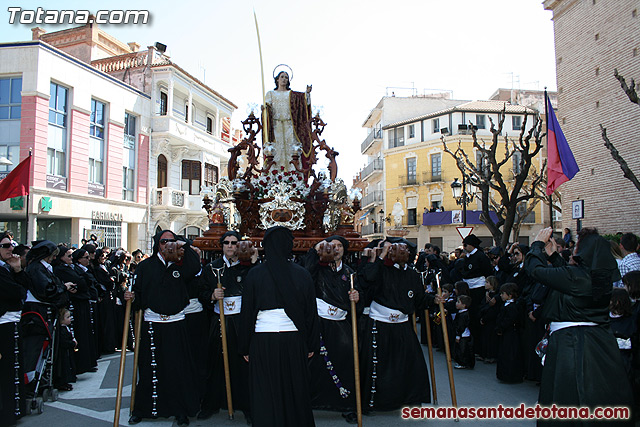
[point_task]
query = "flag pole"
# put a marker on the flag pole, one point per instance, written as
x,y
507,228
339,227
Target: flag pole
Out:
x,y
26,228
546,122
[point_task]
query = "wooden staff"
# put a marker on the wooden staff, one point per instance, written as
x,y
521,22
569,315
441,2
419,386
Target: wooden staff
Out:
x,y
415,325
356,358
136,354
427,325
445,334
123,355
225,350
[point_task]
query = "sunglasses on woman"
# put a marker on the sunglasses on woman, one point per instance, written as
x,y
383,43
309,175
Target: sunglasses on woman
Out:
x,y
229,242
6,245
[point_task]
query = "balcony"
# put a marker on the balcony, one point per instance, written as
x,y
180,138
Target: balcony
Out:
x,y
179,133
371,198
372,167
369,229
430,177
406,180
171,198
375,135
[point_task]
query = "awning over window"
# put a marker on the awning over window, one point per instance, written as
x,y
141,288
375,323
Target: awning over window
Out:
x,y
365,215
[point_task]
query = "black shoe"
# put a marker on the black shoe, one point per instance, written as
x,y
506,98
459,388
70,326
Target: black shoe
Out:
x,y
134,419
205,414
351,417
247,417
182,420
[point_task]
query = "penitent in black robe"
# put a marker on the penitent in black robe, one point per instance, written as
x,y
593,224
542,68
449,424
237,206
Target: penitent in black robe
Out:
x,y
508,328
278,373
80,313
167,372
392,350
13,291
336,340
583,366
215,389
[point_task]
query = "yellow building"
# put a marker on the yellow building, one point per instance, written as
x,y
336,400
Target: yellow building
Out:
x,y
418,173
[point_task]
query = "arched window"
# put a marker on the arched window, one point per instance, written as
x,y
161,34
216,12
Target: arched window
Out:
x,y
162,171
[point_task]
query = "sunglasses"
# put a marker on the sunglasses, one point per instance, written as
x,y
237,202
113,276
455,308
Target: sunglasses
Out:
x,y
229,242
6,245
165,241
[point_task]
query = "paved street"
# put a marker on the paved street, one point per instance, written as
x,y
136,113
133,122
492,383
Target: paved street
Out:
x,y
92,401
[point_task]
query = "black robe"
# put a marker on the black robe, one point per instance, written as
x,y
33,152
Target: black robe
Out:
x,y
488,318
336,352
64,365
13,291
90,280
583,366
508,326
278,373
166,370
392,350
106,310
81,317
232,280
463,349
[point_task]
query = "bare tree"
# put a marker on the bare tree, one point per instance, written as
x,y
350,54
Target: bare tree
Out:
x,y
499,193
630,90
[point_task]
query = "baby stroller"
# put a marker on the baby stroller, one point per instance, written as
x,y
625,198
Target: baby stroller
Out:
x,y
39,330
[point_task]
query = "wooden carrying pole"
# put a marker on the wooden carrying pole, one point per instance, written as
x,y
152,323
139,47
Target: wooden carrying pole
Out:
x,y
136,354
356,358
225,352
123,355
415,324
427,325
445,335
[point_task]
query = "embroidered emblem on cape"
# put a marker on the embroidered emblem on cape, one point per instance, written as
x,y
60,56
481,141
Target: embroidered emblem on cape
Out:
x,y
410,293
344,277
165,317
176,274
230,305
332,311
394,318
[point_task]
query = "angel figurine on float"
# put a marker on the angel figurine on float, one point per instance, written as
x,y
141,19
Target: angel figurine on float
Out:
x,y
287,120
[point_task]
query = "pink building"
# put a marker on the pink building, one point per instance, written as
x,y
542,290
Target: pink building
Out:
x,y
89,134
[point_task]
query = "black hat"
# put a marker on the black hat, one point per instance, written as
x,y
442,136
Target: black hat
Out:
x,y
230,233
41,250
77,254
345,242
472,240
496,250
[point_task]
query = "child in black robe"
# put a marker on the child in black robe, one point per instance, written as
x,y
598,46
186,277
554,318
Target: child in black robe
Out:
x,y
488,316
622,325
65,372
509,368
463,349
449,304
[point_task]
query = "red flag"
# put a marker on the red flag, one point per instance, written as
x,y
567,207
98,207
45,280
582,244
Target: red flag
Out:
x,y
17,182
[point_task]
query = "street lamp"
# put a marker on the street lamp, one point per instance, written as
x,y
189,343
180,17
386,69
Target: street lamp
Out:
x,y
463,194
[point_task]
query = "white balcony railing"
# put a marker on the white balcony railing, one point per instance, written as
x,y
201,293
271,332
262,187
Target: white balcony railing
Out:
x,y
170,197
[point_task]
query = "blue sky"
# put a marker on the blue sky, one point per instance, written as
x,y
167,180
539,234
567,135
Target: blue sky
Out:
x,y
351,51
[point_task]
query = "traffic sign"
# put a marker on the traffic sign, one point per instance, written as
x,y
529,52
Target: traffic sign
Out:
x,y
464,231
